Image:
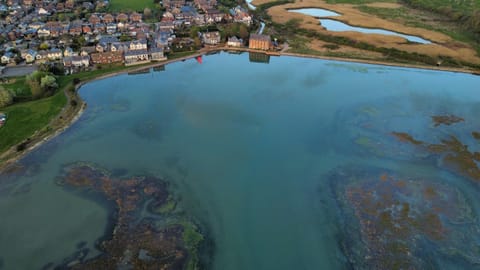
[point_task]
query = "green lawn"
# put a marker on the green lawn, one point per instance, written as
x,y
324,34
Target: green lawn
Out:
x,y
129,5
25,118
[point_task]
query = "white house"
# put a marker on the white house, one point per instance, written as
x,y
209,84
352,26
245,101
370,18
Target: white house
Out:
x,y
234,42
138,45
76,61
30,56
54,54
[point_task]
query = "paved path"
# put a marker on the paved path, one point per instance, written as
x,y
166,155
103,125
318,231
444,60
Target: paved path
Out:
x,y
16,71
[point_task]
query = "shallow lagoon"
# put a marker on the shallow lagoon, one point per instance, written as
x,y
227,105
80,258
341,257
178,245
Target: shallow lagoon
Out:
x,y
260,155
337,26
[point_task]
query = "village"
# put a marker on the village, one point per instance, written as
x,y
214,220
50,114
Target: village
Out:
x,y
80,36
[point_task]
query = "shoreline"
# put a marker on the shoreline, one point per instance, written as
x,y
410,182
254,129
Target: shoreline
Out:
x,y
12,156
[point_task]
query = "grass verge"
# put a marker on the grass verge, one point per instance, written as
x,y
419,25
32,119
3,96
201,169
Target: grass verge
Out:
x,y
25,119
129,5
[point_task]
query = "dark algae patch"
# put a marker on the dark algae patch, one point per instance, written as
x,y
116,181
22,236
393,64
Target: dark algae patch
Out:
x,y
405,137
159,240
446,120
454,155
396,221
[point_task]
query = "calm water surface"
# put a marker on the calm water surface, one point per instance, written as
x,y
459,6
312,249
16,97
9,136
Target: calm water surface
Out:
x,y
248,149
336,26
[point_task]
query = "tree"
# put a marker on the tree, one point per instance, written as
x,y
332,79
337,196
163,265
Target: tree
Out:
x,y
43,46
197,42
78,42
147,13
6,97
243,31
33,81
48,83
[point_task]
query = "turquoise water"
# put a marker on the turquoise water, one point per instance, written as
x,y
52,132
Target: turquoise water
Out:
x,y
249,149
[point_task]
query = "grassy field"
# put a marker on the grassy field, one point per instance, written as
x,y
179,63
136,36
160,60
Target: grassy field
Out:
x,y
416,18
129,5
17,86
26,118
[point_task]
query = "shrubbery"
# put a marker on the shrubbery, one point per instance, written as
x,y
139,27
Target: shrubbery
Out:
x,y
41,84
6,97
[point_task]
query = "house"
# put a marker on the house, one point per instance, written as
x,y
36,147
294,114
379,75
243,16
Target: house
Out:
x,y
260,42
30,34
56,31
69,52
241,15
69,4
30,56
43,32
75,29
108,18
42,12
87,50
135,17
100,28
88,6
213,15
76,61
166,25
105,42
54,54
122,17
36,25
106,57
42,56
234,42
121,26
156,54
120,46
138,45
7,58
111,28
136,57
60,7
87,29
94,19
162,38
211,38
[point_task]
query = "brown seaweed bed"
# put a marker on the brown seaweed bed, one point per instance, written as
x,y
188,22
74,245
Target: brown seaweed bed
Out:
x,y
393,221
135,242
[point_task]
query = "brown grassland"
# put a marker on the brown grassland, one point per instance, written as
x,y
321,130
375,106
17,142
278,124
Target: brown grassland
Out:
x,y
442,44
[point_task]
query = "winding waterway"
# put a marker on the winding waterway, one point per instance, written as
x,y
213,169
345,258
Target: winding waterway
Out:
x,y
338,26
265,158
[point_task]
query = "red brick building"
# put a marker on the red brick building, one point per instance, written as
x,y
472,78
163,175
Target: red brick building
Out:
x,y
106,57
260,42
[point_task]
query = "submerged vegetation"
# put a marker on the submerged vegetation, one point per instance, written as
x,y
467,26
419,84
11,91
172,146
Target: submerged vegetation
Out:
x,y
393,221
135,242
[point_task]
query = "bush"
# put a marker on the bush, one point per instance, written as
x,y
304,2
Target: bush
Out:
x,y
6,97
22,146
